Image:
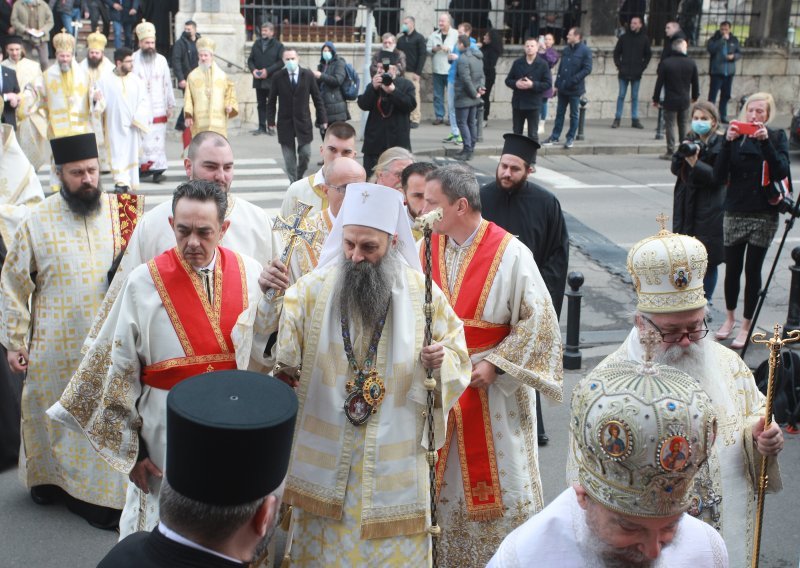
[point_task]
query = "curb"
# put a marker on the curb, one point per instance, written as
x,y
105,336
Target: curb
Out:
x,y
577,150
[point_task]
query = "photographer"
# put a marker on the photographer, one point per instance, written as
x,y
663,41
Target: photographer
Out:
x,y
753,157
389,100
699,198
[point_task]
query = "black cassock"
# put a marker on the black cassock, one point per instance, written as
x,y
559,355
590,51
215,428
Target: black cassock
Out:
x,y
154,550
534,216
10,394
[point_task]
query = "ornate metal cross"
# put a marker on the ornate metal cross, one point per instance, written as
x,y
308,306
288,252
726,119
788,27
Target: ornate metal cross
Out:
x,y
364,196
292,230
662,219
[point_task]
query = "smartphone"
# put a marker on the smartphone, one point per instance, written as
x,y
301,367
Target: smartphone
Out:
x,y
746,128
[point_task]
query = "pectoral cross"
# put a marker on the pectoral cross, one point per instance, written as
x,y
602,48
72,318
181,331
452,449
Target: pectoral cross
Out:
x,y
364,196
713,501
649,339
662,219
292,230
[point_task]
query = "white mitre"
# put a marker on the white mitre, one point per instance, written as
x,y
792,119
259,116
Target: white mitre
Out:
x,y
375,206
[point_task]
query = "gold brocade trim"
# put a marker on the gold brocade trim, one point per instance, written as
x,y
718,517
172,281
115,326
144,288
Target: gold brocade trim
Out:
x,y
326,216
321,428
462,271
314,457
528,427
212,313
394,481
170,309
193,360
243,277
115,226
445,451
314,504
484,325
413,524
317,189
396,451
487,286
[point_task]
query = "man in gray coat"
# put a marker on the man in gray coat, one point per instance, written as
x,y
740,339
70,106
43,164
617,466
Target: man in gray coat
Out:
x,y
469,86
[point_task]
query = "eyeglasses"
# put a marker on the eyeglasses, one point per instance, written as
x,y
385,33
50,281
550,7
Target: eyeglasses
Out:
x,y
339,188
676,337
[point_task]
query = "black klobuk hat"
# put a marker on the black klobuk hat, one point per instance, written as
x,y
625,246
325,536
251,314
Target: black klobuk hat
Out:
x,y
74,148
519,145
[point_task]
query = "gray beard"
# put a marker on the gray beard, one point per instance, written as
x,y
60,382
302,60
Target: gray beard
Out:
x,y
149,55
64,67
205,66
600,554
365,289
690,360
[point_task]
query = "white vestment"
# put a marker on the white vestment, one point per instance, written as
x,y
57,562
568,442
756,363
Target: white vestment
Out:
x,y
58,265
161,100
107,398
309,191
514,295
361,492
557,535
725,488
127,117
249,234
31,117
95,74
20,188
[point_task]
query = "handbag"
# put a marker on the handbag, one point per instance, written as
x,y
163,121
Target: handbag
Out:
x,y
776,190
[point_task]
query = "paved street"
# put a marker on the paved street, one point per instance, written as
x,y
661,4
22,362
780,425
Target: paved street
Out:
x,y
611,188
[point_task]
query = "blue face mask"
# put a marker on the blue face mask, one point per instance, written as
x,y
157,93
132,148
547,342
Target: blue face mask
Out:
x,y
291,66
327,55
404,29
701,127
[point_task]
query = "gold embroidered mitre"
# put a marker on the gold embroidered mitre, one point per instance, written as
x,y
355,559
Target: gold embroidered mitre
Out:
x,y
96,40
145,30
641,433
206,44
668,270
64,42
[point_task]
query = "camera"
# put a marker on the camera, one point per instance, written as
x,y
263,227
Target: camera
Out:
x,y
689,148
386,79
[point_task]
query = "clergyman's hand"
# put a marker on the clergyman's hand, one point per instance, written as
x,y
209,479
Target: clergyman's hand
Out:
x,y
18,360
432,356
275,275
769,442
483,375
141,471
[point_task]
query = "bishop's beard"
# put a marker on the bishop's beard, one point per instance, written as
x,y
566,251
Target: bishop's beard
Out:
x,y
690,359
94,63
149,54
365,289
84,200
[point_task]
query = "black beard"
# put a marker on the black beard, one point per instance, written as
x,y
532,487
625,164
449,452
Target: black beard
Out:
x,y
83,204
365,289
94,63
514,188
149,53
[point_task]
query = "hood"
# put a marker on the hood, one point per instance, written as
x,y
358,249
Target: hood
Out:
x,y
328,44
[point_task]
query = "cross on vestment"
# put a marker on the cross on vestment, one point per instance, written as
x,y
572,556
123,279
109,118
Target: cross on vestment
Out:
x,y
292,230
482,491
364,196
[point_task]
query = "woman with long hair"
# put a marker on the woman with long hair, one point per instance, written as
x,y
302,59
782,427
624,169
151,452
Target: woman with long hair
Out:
x,y
492,49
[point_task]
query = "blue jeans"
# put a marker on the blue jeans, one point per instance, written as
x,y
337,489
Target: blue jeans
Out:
x,y
623,90
722,85
67,19
561,109
118,29
467,126
451,108
543,109
439,87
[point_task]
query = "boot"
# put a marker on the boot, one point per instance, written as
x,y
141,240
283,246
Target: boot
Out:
x,y
636,124
615,124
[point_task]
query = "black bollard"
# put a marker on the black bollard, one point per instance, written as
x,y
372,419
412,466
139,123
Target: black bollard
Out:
x,y
793,315
572,352
582,117
660,122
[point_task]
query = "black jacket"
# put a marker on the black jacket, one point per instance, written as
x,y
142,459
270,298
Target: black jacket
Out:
x,y
184,56
10,85
719,48
699,198
538,72
388,123
414,45
632,55
575,66
265,54
330,86
294,116
678,76
666,51
123,15
740,166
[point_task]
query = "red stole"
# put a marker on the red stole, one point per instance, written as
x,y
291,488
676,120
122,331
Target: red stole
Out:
x,y
126,209
470,418
203,330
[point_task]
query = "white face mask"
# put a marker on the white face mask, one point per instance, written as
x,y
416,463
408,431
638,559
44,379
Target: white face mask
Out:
x,y
291,66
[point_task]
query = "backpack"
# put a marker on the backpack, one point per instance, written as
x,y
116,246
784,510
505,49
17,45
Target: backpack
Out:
x,y
351,84
786,403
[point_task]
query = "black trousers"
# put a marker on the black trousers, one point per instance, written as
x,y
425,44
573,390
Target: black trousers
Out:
x,y
262,95
519,117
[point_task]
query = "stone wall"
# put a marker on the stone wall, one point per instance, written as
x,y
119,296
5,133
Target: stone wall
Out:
x,y
775,70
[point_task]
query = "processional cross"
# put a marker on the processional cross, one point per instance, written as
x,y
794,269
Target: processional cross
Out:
x,y
292,230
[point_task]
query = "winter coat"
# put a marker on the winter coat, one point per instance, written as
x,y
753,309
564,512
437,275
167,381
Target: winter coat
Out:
x,y
265,54
440,64
720,48
415,48
678,76
294,116
469,78
38,16
741,164
66,6
490,58
330,86
538,72
699,198
184,56
551,56
632,55
576,65
388,123
123,15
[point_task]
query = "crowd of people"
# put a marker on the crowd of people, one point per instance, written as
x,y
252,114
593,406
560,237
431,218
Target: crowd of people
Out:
x,y
190,368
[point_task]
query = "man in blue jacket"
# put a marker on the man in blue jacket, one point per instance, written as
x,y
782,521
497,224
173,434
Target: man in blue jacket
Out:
x,y
575,66
724,49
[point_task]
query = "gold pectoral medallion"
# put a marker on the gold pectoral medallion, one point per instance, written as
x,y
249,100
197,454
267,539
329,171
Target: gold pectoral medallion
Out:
x,y
365,395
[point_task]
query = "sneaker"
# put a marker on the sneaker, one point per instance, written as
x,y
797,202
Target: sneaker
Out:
x,y
451,138
458,141
550,141
569,143
438,121
636,124
615,124
485,123
258,132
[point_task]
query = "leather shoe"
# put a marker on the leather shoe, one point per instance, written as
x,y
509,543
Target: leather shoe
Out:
x,y
543,440
414,125
635,123
258,132
43,494
270,131
438,121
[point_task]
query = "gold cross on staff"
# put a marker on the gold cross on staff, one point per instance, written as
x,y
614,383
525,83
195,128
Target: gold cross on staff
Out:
x,y
364,195
293,230
662,219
